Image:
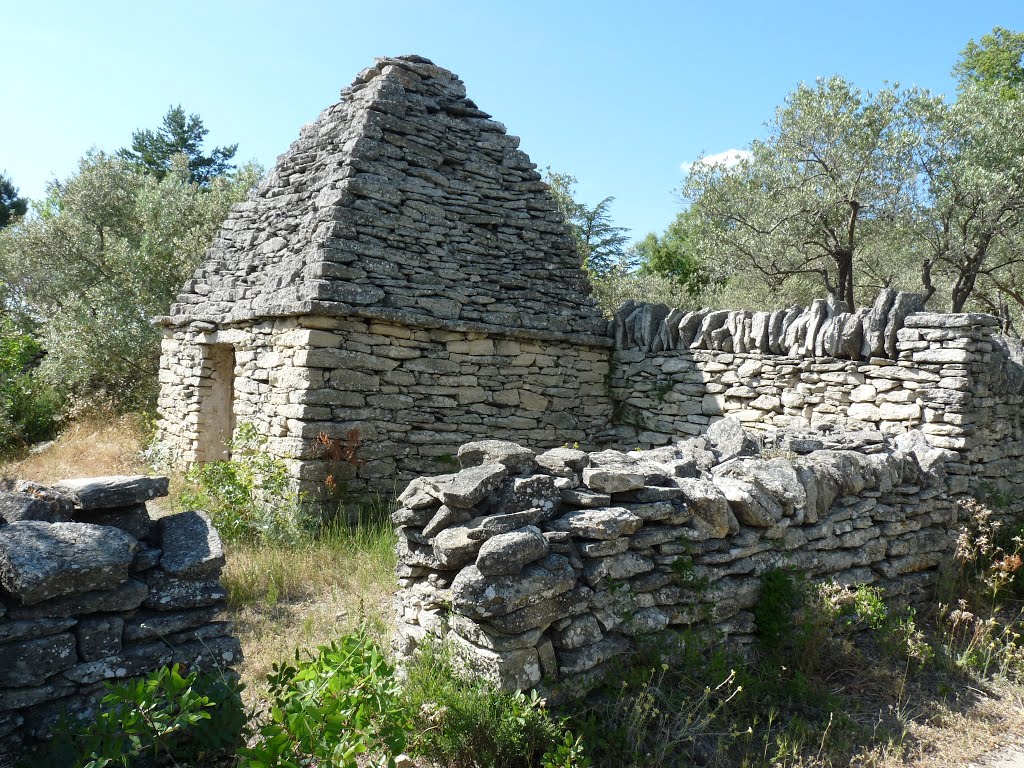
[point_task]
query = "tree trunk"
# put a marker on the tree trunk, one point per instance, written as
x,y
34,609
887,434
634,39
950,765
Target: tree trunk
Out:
x,y
844,281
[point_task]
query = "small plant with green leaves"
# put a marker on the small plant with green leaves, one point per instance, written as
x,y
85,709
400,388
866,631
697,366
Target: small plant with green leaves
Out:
x,y
339,707
462,722
163,718
249,497
29,407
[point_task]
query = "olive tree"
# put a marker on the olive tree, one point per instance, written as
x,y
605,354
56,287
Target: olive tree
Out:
x,y
105,251
823,191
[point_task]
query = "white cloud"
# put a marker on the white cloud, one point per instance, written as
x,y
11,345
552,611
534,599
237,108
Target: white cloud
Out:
x,y
730,158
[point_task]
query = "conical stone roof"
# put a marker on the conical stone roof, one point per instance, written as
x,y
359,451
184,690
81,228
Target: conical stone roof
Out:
x,y
402,201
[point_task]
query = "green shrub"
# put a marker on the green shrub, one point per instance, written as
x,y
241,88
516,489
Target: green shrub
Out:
x,y
249,497
328,710
465,723
28,407
192,719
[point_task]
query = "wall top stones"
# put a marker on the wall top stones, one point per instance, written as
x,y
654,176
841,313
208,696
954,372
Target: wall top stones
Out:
x,y
402,200
820,330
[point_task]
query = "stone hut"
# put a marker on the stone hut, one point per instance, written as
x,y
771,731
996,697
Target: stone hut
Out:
x,y
400,284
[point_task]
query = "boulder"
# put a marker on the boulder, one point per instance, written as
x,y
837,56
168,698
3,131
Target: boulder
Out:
x,y
507,553
514,457
43,560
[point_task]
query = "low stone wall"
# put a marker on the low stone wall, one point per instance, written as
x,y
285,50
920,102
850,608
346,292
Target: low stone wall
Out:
x,y
544,567
92,590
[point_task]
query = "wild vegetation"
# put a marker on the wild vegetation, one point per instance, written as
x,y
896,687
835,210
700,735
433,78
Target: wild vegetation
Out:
x,y
838,676
850,191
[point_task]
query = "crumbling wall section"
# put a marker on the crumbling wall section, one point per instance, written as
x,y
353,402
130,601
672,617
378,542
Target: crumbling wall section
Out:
x,y
92,589
538,569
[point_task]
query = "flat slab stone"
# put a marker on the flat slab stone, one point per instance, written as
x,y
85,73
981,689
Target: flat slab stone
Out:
x,y
113,491
43,560
31,501
29,663
133,519
169,593
124,597
466,488
191,545
478,596
512,455
604,523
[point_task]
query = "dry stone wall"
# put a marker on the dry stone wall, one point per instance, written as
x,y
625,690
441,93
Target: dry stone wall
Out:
x,y
538,569
952,376
92,589
409,395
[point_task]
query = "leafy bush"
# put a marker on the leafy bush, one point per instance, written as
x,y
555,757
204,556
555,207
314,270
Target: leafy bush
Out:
x,y
327,710
249,497
28,406
464,723
162,715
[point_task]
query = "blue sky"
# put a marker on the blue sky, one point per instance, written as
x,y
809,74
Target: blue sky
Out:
x,y
619,94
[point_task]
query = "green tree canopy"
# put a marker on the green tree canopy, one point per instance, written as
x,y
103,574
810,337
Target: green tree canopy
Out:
x,y
600,244
673,255
107,250
971,157
11,205
821,193
153,152
995,61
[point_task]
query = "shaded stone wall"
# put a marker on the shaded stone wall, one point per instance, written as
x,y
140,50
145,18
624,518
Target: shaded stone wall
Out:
x,y
410,394
92,589
538,569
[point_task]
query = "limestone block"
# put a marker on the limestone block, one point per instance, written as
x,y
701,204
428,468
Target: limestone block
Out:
x,y
468,487
43,560
477,596
602,523
506,553
115,491
513,456
30,662
191,545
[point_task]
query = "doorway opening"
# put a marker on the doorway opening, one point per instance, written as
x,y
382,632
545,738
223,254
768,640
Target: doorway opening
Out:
x,y
217,404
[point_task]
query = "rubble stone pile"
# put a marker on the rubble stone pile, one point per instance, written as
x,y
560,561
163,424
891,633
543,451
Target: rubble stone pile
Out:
x,y
93,589
540,568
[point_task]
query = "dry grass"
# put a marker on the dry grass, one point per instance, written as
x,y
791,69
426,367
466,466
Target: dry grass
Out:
x,y
285,598
94,445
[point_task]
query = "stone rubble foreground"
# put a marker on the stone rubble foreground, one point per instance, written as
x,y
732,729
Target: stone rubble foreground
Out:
x,y
93,589
539,569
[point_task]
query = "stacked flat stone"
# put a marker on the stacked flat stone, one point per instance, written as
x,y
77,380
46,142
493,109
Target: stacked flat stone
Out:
x,y
820,330
404,200
537,569
952,376
92,589
403,271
